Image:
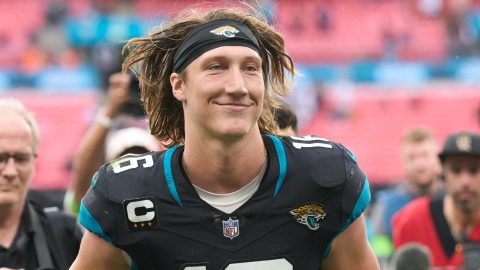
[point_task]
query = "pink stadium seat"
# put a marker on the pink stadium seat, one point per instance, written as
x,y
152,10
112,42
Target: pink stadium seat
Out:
x,y
358,29
379,118
155,7
19,20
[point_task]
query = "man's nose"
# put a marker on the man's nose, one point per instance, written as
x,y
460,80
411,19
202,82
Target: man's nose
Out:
x,y
236,82
10,169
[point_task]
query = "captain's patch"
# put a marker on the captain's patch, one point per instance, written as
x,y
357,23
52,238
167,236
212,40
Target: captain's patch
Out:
x,y
140,214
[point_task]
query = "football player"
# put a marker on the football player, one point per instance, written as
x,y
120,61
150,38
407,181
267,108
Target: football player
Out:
x,y
228,193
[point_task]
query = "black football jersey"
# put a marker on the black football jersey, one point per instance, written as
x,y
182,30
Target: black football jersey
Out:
x,y
145,205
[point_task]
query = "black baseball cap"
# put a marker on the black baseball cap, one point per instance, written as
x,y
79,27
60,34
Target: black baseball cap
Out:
x,y
462,143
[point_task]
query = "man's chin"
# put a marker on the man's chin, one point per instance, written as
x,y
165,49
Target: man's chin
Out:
x,y
8,198
234,132
424,183
466,206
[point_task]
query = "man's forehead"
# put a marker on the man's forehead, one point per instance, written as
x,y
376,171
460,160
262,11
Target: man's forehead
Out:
x,y
231,51
14,126
462,160
13,123
420,146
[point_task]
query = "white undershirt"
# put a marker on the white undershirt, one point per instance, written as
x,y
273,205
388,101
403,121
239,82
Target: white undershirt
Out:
x,y
232,201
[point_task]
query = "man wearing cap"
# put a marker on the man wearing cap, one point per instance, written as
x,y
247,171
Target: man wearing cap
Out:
x,y
448,225
228,193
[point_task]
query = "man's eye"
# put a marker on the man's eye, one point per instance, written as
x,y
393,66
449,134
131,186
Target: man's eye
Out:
x,y
251,68
456,170
22,158
215,67
474,170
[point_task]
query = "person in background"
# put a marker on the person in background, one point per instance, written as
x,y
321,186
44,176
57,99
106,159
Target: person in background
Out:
x,y
419,153
449,224
114,132
228,193
410,257
30,238
286,119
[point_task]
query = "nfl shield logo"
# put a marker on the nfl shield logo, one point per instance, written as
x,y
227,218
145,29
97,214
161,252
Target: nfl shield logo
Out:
x,y
231,228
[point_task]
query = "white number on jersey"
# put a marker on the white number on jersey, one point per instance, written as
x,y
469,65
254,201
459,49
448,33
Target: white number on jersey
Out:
x,y
309,141
131,162
277,264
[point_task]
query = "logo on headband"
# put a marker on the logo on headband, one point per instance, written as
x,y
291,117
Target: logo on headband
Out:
x,y
227,31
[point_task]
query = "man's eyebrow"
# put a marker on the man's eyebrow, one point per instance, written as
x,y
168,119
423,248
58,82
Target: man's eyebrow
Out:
x,y
224,58
214,58
253,58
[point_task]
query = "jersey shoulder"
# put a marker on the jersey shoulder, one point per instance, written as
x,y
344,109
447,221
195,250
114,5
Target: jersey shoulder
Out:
x,y
127,175
314,146
329,163
130,176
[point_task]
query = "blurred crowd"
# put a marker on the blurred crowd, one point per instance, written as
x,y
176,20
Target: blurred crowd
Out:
x,y
430,39
79,49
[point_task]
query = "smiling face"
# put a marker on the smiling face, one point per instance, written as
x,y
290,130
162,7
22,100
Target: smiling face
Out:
x,y
222,93
16,138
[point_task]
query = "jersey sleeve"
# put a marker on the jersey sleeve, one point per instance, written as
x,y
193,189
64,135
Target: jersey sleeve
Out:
x,y
356,195
96,210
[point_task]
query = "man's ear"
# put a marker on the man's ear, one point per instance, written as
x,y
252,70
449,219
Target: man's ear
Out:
x,y
178,86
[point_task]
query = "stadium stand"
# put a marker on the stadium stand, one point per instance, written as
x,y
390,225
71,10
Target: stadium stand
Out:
x,y
359,30
378,117
20,19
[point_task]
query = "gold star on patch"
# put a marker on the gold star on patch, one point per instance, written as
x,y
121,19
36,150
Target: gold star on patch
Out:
x,y
135,225
149,224
143,225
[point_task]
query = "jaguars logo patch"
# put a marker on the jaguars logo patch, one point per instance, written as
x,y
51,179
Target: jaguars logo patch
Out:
x,y
227,31
309,215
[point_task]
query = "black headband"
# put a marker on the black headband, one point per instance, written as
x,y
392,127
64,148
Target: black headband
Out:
x,y
212,35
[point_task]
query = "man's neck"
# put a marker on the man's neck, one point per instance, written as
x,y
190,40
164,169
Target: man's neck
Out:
x,y
10,218
220,167
418,191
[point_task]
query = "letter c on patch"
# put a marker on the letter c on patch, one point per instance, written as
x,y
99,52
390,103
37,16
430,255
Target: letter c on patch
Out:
x,y
146,204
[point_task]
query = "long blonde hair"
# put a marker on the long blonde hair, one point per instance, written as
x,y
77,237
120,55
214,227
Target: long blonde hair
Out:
x,y
152,59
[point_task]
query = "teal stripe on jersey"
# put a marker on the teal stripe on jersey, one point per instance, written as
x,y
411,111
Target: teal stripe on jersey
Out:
x,y
360,206
167,169
91,224
282,160
94,179
134,265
